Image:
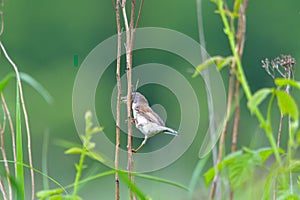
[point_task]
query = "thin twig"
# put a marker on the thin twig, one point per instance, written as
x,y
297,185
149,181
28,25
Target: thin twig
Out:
x,y
240,48
2,130
25,117
129,45
236,117
3,191
279,130
139,14
117,6
129,90
12,130
2,17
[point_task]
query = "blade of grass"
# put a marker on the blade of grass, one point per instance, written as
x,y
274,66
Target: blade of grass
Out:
x,y
154,178
133,187
5,81
19,148
44,159
20,99
196,175
161,180
37,86
16,184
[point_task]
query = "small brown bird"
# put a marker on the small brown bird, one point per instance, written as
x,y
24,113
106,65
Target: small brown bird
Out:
x,y
146,120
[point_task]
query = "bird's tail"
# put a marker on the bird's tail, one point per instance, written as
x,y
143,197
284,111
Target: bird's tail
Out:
x,y
170,131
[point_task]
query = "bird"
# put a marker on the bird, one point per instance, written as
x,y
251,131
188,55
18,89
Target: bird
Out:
x,y
146,120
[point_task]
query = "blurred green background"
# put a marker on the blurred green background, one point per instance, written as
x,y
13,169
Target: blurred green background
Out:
x,y
42,37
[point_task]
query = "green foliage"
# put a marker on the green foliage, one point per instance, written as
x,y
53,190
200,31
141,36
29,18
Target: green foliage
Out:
x,y
280,82
42,195
159,180
240,165
134,187
287,104
257,98
19,144
196,174
85,150
218,60
37,86
5,81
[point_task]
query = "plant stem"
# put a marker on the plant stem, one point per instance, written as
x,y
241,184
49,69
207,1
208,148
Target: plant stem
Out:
x,y
2,130
241,77
2,189
79,170
20,99
129,45
117,7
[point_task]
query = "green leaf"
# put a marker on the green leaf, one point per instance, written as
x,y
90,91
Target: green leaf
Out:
x,y
71,197
96,129
284,82
257,98
196,174
56,197
5,81
133,187
287,195
294,166
224,62
287,104
229,159
95,156
161,180
265,153
76,166
241,170
37,86
240,165
74,150
154,178
47,193
90,145
236,7
207,63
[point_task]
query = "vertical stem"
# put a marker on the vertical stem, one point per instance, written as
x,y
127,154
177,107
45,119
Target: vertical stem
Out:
x,y
129,45
279,130
236,118
2,189
235,125
11,125
117,195
2,130
243,80
19,146
79,169
20,99
291,134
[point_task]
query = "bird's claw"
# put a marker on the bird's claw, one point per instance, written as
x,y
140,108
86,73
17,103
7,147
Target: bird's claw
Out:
x,y
133,150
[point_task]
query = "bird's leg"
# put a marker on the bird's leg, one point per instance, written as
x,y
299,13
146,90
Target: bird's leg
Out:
x,y
136,122
143,143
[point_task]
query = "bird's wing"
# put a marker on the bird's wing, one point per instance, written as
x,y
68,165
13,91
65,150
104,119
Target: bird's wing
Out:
x,y
151,115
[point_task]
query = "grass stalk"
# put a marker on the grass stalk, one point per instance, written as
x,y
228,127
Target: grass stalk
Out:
x,y
117,182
